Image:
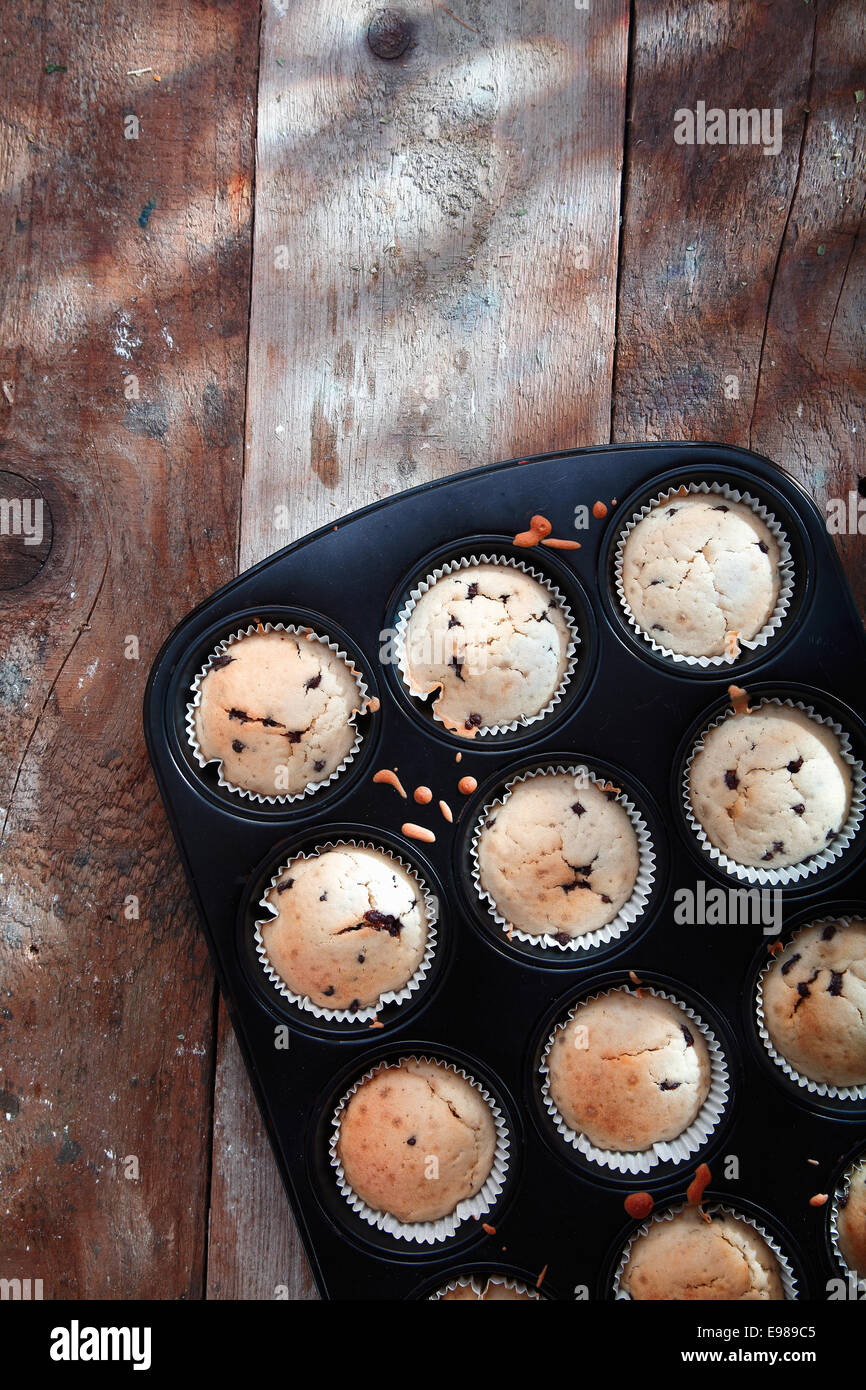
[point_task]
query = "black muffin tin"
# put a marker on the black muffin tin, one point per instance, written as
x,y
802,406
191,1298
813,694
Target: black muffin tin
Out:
x,y
488,1005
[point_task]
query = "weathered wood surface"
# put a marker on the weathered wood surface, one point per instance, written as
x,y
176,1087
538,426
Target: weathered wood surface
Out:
x,y
121,258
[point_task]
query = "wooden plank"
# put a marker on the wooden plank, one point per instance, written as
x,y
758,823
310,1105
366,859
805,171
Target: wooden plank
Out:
x,y
739,265
126,268
433,289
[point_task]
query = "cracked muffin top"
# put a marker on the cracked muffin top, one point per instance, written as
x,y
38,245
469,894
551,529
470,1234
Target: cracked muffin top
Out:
x,y
815,1003
690,1258
491,641
276,709
699,572
415,1140
629,1071
851,1221
560,856
351,925
491,1291
770,787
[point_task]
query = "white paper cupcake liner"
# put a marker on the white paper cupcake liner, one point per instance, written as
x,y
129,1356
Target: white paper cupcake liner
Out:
x,y
786,574
368,1013
815,1088
786,1273
842,1190
478,1284
628,913
666,1151
468,562
427,1232
793,873
220,650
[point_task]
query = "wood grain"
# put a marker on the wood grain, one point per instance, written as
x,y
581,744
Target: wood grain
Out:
x,y
122,258
433,289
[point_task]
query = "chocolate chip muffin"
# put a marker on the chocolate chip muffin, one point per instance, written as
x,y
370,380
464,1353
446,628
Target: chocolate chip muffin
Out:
x,y
560,856
690,1258
493,643
770,787
487,1291
277,710
701,573
814,997
351,926
415,1140
851,1221
629,1071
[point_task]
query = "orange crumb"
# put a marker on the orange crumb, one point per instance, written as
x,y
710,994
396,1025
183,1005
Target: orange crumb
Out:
x,y
156,77
467,785
599,510
540,1280
376,1024
446,811
459,758
819,1200
541,526
491,1230
526,539
418,832
701,1180
373,704
639,1205
814,1162
739,699
423,795
635,979
561,545
390,779
775,948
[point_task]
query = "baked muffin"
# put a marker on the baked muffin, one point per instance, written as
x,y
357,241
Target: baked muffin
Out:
x,y
559,857
770,787
815,1003
276,708
851,1221
489,1291
491,641
690,1258
699,572
628,1071
351,925
398,1122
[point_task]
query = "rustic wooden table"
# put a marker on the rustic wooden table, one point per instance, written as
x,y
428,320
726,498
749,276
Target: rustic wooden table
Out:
x,y
255,276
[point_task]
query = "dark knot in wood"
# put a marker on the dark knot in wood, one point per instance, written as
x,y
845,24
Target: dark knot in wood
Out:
x,y
389,34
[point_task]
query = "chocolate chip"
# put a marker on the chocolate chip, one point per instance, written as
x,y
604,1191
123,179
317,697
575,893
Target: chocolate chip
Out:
x,y
790,963
270,723
669,1085
656,581
672,511
835,985
490,822
220,662
383,921
353,1006
732,780
562,937
293,735
323,897
239,714
763,547
454,622
799,809
473,722
796,765
829,931
804,993
361,957
578,809
458,667
687,1034
472,591
657,627
283,887
332,989
721,509
313,682
411,1141
238,746
605,898
503,598
318,764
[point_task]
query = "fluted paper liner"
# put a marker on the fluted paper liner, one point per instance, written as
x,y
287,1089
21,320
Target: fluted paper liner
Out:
x,y
469,562
479,1284
296,631
842,1190
792,873
427,1232
816,1088
786,1272
785,571
368,1013
630,911
663,1151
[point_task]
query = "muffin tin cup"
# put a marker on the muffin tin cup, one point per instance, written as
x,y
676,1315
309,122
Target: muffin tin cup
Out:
x,y
628,914
786,1269
478,1285
842,1190
786,575
312,787
675,1150
470,1208
469,562
823,1089
792,873
369,1012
